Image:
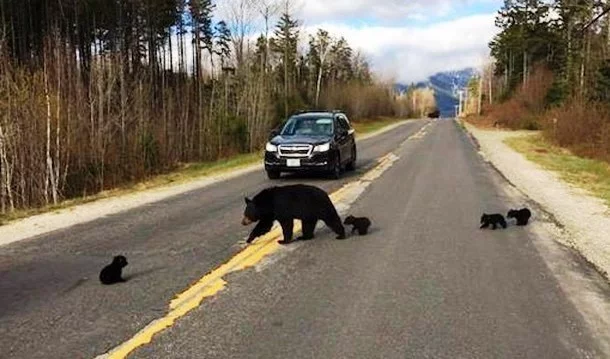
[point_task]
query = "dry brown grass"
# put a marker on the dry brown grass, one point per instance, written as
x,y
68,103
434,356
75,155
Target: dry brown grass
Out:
x,y
523,110
581,126
360,101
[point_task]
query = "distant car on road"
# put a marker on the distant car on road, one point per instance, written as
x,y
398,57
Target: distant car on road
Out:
x,y
434,114
312,141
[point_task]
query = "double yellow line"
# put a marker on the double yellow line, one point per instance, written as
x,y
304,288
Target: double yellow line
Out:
x,y
213,282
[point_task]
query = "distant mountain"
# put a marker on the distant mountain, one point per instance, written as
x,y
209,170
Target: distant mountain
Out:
x,y
446,86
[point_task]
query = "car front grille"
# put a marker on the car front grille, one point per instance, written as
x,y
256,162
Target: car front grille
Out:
x,y
295,151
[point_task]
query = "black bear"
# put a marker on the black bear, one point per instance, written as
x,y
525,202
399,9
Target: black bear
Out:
x,y
361,224
287,203
522,216
492,219
112,273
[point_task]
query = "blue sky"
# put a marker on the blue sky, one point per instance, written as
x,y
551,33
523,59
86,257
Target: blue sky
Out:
x,y
424,17
408,40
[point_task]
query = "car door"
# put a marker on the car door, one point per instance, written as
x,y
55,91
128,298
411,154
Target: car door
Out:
x,y
350,131
343,139
351,138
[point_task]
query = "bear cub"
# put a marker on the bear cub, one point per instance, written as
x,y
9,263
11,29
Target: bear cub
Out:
x,y
287,203
360,224
522,216
492,219
111,273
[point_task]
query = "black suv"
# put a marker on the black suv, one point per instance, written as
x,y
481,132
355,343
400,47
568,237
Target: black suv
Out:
x,y
311,141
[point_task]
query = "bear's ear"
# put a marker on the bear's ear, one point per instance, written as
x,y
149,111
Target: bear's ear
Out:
x,y
248,200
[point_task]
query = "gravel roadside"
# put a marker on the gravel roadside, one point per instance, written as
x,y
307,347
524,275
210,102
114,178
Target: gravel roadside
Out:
x,y
586,219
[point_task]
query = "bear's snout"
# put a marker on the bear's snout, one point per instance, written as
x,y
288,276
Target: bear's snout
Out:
x,y
246,221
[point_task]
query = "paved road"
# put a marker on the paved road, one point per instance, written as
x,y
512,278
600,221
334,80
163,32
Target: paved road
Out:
x,y
426,283
51,303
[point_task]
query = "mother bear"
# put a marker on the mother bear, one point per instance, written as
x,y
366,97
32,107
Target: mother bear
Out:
x,y
287,203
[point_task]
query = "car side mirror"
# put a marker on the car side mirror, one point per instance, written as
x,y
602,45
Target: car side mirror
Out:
x,y
274,132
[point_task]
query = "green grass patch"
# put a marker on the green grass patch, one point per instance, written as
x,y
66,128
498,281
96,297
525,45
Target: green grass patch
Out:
x,y
183,174
368,126
591,175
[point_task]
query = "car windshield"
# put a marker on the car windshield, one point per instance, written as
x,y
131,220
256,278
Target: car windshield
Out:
x,y
308,126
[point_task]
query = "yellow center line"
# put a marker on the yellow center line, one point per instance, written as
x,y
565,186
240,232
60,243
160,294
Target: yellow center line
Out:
x,y
213,282
420,134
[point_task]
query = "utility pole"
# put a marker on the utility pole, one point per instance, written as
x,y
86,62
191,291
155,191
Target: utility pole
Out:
x,y
461,92
491,75
480,95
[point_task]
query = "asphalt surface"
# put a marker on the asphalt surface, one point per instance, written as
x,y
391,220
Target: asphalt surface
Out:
x,y
425,283
52,304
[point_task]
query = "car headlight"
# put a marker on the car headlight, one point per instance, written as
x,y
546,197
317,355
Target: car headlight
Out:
x,y
322,148
269,147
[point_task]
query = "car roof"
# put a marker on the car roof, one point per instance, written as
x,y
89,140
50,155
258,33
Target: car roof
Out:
x,y
318,112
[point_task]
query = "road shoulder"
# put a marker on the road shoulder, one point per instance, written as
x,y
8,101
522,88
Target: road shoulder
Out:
x,y
585,219
51,221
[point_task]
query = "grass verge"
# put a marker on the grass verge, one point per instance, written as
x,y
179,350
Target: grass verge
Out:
x,y
368,126
591,175
183,174
180,175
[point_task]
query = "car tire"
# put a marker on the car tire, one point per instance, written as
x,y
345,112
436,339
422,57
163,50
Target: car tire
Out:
x,y
273,175
335,172
351,166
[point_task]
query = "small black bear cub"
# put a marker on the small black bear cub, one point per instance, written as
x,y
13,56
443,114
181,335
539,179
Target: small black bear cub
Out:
x,y
287,203
522,216
361,224
111,273
492,219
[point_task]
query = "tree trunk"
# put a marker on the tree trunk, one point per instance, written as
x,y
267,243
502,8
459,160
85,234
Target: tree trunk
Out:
x,y
318,85
6,174
525,69
50,173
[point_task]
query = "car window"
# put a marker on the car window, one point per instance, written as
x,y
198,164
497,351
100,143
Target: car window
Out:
x,y
308,126
349,126
343,122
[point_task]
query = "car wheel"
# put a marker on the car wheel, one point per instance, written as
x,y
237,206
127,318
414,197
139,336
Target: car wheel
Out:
x,y
352,164
274,174
335,172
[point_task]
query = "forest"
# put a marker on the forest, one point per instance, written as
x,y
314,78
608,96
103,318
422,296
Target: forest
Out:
x,y
95,94
550,70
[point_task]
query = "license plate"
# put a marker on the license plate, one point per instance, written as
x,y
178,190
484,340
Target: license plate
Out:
x,y
293,162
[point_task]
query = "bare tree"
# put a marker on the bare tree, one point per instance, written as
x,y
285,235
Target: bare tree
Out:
x,y
321,44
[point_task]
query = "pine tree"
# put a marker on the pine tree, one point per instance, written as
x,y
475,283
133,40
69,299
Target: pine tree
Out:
x,y
285,44
223,41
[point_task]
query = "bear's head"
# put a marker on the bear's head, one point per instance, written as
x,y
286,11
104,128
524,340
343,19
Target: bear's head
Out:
x,y
120,261
512,213
349,220
484,218
251,213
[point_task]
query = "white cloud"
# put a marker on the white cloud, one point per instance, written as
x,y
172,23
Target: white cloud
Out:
x,y
407,39
413,53
339,10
